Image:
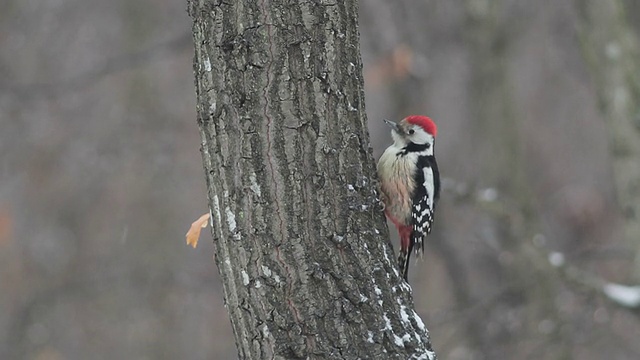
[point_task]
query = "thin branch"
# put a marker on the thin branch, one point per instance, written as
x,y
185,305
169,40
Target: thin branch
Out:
x,y
555,262
83,80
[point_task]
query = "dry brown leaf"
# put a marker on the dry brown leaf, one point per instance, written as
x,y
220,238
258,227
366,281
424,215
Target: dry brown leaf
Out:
x,y
401,61
391,67
194,231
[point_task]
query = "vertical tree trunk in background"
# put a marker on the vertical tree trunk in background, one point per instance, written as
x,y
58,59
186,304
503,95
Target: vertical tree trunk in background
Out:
x,y
611,48
497,128
300,239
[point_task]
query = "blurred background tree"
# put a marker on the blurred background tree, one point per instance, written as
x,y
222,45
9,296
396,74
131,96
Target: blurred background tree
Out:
x,y
100,175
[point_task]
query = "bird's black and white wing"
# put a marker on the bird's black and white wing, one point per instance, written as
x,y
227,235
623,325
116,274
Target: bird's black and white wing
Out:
x,y
423,208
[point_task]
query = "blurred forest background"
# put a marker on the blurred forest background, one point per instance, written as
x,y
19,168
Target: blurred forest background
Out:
x,y
100,176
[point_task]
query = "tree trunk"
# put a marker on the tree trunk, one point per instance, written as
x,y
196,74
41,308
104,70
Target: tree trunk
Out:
x,y
301,242
610,46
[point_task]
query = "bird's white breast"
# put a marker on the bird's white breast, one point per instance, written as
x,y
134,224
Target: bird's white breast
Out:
x,y
397,182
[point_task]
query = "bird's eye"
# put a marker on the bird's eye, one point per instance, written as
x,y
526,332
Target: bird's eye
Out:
x,y
411,131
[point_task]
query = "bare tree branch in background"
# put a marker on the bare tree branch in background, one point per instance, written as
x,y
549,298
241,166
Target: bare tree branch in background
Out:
x,y
88,78
300,239
611,49
535,252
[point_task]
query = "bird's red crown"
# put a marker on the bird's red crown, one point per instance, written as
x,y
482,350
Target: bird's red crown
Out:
x,y
426,123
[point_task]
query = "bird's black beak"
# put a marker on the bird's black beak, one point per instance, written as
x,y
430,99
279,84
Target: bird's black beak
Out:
x,y
392,125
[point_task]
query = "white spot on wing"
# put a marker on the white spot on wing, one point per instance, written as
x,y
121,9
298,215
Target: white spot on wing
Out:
x,y
428,184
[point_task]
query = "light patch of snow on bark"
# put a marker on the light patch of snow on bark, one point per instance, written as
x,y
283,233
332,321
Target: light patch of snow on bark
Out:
x,y
404,316
266,271
377,291
231,219
245,278
370,337
428,355
406,321
254,185
398,340
419,321
431,355
207,65
406,338
216,208
387,323
258,284
386,257
418,339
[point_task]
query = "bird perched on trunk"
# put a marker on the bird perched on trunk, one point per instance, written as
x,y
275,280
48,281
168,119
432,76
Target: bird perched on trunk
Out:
x,y
410,183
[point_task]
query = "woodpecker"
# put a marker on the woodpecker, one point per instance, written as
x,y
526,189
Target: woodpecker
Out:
x,y
410,183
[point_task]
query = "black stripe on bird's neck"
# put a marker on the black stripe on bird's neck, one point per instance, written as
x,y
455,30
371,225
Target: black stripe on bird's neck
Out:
x,y
413,147
426,161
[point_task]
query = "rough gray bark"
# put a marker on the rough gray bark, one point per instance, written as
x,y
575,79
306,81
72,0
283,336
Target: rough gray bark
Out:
x,y
610,46
300,239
